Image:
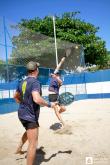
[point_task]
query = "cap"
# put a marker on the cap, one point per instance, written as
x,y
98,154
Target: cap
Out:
x,y
32,65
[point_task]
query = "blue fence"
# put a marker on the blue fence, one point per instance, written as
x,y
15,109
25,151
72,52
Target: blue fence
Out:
x,y
96,84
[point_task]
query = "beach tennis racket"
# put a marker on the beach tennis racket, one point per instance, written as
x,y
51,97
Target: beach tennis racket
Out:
x,y
66,98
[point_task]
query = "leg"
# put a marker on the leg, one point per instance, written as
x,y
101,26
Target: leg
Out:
x,y
54,98
56,109
62,109
32,135
23,140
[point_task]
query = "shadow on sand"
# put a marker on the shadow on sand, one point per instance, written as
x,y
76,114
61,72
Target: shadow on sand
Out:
x,y
56,126
58,129
40,155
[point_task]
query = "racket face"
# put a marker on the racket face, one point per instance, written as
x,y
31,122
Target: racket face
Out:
x,y
66,98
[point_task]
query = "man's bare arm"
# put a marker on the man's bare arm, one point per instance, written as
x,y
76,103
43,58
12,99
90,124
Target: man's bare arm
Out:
x,y
17,97
39,100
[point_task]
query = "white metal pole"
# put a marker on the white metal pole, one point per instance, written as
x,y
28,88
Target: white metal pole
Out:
x,y
55,41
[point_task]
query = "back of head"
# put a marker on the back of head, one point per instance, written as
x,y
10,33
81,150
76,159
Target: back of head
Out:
x,y
32,66
55,74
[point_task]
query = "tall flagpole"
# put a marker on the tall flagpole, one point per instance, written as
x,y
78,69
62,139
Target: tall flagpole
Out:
x,y
55,41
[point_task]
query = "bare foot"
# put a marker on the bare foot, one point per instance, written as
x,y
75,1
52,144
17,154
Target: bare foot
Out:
x,y
19,151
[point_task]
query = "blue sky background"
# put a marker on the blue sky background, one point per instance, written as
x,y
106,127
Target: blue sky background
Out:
x,y
96,12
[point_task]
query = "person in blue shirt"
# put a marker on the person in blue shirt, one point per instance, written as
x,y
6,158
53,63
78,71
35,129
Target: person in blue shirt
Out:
x,y
28,95
54,86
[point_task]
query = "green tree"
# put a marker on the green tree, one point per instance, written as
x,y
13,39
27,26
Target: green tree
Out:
x,y
69,28
2,62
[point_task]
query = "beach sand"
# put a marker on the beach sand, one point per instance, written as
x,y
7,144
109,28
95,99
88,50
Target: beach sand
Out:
x,y
86,134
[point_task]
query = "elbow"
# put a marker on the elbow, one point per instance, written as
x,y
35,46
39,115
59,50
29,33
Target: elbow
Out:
x,y
16,98
37,101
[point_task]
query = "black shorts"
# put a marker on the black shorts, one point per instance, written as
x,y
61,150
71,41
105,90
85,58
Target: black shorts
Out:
x,y
53,97
29,125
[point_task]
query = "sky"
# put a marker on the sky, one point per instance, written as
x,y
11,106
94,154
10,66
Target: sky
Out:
x,y
96,12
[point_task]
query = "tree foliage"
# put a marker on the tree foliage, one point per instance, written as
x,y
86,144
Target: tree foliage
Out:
x,y
69,28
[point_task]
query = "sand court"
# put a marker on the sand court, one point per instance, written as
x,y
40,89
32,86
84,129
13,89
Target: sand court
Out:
x,y
86,134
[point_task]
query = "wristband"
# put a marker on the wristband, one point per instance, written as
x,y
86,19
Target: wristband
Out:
x,y
49,104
